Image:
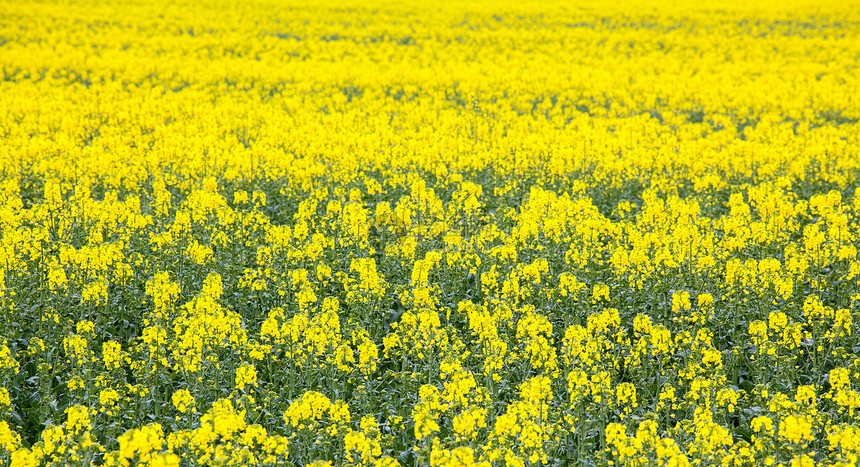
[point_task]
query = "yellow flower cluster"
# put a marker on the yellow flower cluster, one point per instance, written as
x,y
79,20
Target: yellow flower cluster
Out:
x,y
381,233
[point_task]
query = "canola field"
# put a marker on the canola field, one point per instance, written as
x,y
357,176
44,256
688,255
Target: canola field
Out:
x,y
406,233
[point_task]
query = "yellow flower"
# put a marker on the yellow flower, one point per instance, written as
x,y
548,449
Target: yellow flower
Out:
x,y
246,375
796,429
142,445
183,400
9,440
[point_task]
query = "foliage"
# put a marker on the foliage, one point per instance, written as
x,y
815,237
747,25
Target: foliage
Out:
x,y
415,233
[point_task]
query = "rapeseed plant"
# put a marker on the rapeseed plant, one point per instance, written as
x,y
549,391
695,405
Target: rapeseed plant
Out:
x,y
502,233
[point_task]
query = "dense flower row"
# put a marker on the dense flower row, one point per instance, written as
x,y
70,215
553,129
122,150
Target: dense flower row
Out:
x,y
387,234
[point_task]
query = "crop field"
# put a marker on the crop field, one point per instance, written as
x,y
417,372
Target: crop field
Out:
x,y
414,233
